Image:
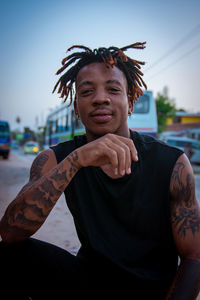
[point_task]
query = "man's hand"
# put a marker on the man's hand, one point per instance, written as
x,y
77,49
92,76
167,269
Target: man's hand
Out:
x,y
113,150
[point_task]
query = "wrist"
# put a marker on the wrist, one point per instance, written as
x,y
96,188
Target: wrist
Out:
x,y
76,154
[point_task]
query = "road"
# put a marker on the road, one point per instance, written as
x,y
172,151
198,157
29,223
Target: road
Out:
x,y
59,227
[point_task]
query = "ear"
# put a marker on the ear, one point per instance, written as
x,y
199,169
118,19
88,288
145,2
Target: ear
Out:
x,y
75,106
130,104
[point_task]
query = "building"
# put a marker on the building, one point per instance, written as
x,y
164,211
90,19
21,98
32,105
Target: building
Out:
x,y
184,123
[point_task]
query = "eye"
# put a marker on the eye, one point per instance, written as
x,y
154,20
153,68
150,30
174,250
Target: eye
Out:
x,y
114,90
86,92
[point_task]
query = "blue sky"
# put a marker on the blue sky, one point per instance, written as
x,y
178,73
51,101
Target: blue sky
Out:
x,y
35,35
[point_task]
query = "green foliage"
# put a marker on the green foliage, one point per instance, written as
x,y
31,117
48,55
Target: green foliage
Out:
x,y
165,108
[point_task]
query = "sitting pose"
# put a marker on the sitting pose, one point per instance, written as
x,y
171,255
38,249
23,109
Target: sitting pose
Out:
x,y
132,198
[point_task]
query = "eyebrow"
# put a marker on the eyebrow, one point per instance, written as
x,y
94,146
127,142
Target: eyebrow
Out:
x,y
110,81
114,81
86,82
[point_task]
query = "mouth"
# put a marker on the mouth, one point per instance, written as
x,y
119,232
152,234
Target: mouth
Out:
x,y
101,116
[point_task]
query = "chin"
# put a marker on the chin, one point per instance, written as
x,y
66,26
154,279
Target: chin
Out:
x,y
98,132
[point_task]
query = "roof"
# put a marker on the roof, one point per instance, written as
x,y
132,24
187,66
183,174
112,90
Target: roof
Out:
x,y
187,114
182,126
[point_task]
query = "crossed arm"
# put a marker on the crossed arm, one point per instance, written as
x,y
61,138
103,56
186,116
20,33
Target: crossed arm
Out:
x,y
185,218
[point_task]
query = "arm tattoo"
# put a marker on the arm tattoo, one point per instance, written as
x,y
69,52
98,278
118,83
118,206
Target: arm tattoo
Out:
x,y
35,171
72,160
185,214
37,166
186,220
35,201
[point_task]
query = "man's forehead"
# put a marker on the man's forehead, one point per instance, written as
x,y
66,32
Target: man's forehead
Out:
x,y
99,71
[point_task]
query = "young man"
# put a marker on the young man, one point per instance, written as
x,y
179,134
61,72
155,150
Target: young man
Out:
x,y
131,196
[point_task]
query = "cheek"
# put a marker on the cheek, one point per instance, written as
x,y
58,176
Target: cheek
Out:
x,y
82,111
124,105
78,106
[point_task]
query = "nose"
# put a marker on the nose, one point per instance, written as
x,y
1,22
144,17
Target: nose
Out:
x,y
100,98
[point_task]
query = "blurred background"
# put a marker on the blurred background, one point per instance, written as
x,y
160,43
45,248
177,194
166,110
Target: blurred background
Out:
x,y
34,38
35,35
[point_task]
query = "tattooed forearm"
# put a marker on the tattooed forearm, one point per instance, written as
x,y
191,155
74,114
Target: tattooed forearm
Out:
x,y
72,160
37,166
185,213
35,201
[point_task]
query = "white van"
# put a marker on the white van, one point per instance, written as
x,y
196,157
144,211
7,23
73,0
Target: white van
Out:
x,y
144,116
190,146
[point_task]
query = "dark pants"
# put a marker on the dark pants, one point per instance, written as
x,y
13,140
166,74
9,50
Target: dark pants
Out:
x,y
38,270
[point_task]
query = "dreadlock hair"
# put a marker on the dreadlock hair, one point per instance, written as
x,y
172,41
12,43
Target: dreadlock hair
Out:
x,y
111,56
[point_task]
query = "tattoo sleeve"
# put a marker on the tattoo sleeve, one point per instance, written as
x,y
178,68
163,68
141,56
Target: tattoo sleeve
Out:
x,y
185,219
34,202
185,211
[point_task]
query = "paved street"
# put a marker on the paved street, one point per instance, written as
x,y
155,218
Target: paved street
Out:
x,y
59,227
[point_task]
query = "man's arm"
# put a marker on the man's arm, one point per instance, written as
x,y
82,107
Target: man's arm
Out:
x,y
28,211
185,218
25,215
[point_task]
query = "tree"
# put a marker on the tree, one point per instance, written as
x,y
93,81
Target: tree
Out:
x,y
165,108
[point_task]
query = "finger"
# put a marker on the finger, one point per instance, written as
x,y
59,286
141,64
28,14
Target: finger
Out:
x,y
121,160
126,168
112,158
133,150
128,160
123,154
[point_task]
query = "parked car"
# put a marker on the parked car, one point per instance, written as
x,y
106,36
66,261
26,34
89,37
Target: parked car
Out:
x,y
191,147
31,147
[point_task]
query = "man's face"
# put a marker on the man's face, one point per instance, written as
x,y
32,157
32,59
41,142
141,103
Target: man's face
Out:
x,y
102,101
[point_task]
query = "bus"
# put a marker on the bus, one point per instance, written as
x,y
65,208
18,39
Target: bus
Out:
x,y
5,139
62,124
144,117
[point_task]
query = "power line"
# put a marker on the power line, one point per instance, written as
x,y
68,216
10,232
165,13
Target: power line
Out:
x,y
174,62
185,39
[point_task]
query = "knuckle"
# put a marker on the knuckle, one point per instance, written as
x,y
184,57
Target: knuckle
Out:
x,y
114,159
101,144
127,148
122,149
130,143
113,153
108,135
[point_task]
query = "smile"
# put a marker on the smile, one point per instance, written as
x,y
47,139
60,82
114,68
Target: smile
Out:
x,y
101,116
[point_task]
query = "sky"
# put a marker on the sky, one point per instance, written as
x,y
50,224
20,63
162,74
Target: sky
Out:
x,y
34,37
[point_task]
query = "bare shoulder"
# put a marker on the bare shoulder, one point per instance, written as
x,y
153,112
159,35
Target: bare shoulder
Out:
x,y
43,163
182,181
185,210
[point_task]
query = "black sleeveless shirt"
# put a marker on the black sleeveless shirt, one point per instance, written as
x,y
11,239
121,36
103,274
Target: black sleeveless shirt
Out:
x,y
127,220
